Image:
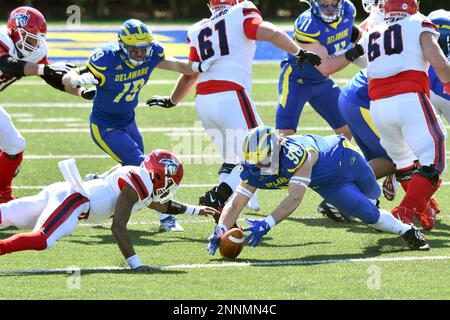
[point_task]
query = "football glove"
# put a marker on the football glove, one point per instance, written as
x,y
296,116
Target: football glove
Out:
x,y
57,69
160,101
303,56
214,239
83,80
258,229
354,53
89,94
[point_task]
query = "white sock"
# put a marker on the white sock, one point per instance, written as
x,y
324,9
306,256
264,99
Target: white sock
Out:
x,y
162,216
222,177
387,222
234,178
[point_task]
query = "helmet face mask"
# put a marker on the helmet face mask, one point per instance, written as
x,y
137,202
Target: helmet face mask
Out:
x,y
166,172
135,42
328,10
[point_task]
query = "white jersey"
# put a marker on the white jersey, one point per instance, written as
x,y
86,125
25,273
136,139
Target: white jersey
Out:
x,y
394,47
7,47
103,193
223,36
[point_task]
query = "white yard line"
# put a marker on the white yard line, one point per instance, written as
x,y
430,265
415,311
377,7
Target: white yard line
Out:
x,y
294,262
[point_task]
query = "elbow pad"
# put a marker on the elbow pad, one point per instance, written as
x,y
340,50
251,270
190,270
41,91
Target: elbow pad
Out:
x,y
12,67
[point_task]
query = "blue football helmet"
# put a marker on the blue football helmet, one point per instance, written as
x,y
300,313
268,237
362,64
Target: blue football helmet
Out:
x,y
328,13
262,149
135,42
441,18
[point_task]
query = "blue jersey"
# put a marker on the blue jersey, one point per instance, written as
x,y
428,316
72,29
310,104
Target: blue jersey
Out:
x,y
357,90
335,37
436,85
119,85
294,152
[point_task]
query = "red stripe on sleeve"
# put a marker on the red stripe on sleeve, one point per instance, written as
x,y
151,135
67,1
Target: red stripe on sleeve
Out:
x,y
193,55
251,26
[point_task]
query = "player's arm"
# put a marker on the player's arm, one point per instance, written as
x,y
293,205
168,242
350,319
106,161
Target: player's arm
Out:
x,y
230,214
184,86
298,184
78,78
122,212
257,29
433,54
184,66
236,204
173,207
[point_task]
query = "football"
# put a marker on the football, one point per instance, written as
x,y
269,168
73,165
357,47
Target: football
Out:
x,y
231,243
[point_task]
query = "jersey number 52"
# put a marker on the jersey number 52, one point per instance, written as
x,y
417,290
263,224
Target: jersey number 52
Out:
x,y
392,42
206,45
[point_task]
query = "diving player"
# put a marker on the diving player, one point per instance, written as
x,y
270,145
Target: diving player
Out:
x,y
328,165
120,70
55,212
328,30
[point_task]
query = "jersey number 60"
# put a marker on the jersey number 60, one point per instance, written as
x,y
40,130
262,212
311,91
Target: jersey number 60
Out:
x,y
392,40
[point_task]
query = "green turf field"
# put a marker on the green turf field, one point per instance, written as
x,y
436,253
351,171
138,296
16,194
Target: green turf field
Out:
x,y
305,257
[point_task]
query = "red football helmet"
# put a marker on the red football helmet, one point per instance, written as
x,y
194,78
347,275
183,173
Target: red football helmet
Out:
x,y
400,7
27,28
166,172
215,5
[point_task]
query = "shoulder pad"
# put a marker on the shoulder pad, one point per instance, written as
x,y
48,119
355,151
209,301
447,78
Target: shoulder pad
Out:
x,y
350,8
158,49
101,56
307,29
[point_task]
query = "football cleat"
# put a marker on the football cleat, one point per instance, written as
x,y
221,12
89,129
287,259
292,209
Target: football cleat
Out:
x,y
332,212
434,205
390,186
428,218
404,214
170,224
211,199
415,239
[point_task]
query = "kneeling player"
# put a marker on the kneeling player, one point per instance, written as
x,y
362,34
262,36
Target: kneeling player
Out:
x,y
328,165
55,212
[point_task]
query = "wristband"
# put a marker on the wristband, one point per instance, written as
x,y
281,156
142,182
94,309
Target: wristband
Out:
x,y
134,261
40,70
192,210
298,52
270,221
196,67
